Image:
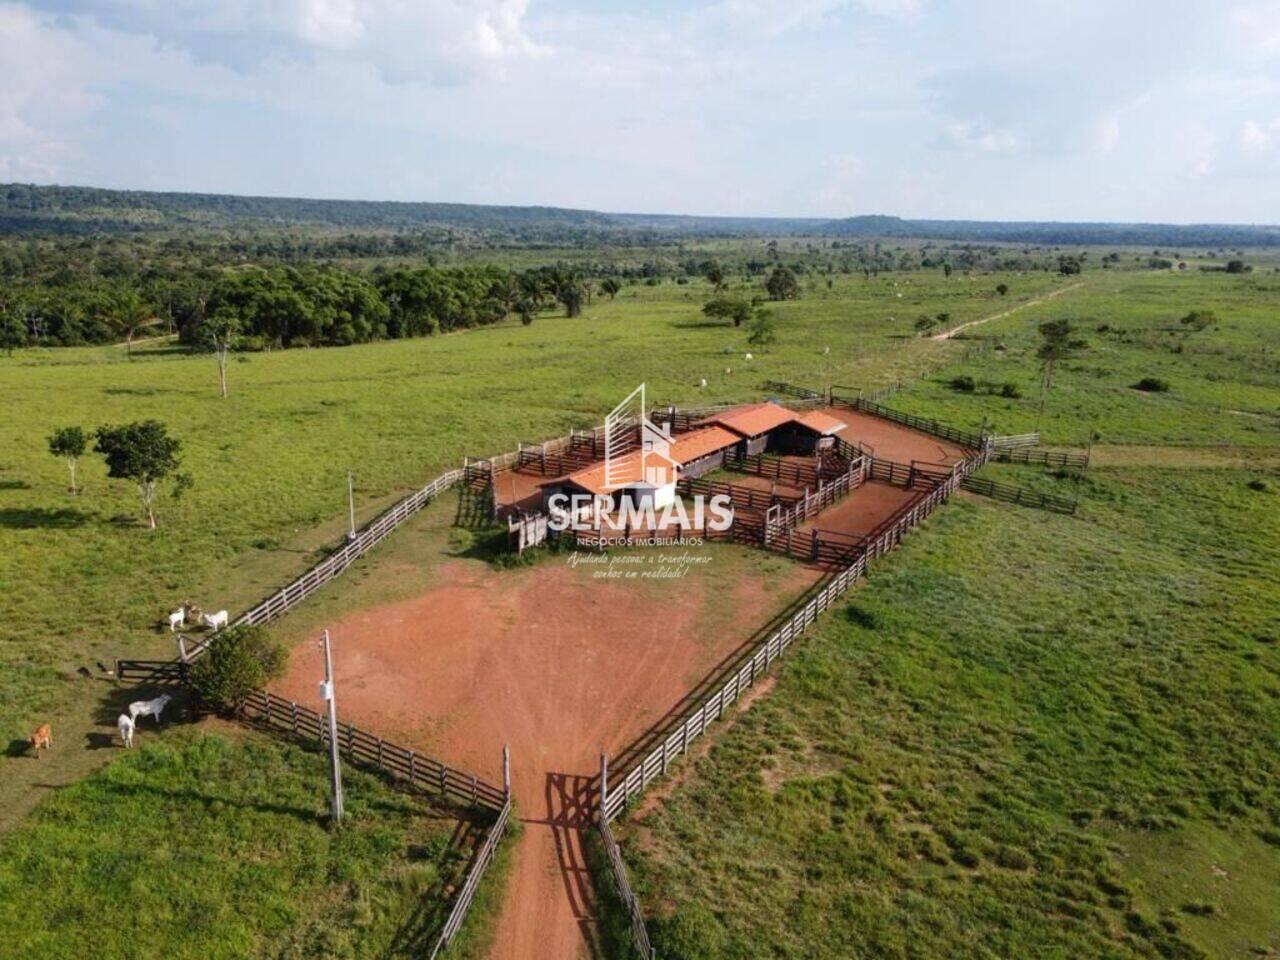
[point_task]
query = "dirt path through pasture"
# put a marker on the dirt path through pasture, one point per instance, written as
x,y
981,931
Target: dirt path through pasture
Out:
x,y
558,663
1035,301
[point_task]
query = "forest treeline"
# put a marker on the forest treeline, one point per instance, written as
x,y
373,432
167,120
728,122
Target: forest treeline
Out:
x,y
49,210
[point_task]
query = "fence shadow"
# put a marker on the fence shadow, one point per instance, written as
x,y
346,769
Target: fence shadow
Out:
x,y
714,679
571,801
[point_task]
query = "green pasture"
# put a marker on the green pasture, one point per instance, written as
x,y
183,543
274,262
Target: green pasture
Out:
x,y
85,582
1025,735
205,845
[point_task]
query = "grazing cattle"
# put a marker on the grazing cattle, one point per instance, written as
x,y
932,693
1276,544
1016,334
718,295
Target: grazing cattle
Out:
x,y
728,370
702,382
825,351
747,356
177,619
148,708
125,723
214,621
43,737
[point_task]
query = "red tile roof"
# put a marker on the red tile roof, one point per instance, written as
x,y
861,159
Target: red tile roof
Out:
x,y
821,422
753,420
628,469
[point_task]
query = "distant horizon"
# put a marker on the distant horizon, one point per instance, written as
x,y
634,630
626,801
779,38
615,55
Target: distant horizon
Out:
x,y
1005,111
813,218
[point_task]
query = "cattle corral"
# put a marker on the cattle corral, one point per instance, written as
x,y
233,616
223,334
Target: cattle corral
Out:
x,y
564,664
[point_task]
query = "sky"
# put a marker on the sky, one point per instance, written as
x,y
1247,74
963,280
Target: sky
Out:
x,y
991,110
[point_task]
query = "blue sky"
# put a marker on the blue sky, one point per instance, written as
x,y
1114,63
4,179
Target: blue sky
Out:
x,y
985,110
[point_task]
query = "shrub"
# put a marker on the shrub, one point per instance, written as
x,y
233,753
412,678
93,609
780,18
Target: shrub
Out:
x,y
1010,391
239,661
1152,385
1258,484
963,384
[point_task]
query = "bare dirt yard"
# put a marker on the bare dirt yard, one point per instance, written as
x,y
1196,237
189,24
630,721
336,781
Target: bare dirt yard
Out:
x,y
863,510
561,660
893,442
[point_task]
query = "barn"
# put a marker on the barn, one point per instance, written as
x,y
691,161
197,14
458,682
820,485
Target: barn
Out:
x,y
772,428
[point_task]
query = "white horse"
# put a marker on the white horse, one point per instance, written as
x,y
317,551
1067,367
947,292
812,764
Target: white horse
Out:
x,y
148,708
125,723
215,621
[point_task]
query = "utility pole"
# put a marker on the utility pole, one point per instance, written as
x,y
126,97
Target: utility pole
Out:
x,y
335,770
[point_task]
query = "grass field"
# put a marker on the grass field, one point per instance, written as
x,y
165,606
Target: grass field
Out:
x,y
1027,734
87,582
1000,744
1020,746
210,845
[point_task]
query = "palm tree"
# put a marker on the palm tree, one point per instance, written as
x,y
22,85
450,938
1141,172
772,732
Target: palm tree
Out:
x,y
126,314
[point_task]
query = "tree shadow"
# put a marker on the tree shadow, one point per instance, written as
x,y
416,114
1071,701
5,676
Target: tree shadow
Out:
x,y
14,485
36,518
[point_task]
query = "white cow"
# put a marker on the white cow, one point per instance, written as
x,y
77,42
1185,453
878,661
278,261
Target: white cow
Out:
x,y
825,351
125,723
702,382
728,370
148,708
178,619
747,356
215,621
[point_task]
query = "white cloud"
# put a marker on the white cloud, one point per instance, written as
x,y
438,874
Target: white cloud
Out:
x,y
967,136
1258,26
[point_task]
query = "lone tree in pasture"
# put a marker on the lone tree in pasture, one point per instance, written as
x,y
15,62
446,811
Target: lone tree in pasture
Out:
x,y
239,661
735,310
610,286
782,284
69,443
762,332
219,332
1002,288
126,314
144,453
1056,345
715,275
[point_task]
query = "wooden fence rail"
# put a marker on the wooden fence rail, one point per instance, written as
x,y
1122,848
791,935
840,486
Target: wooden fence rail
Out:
x,y
924,425
1020,495
655,763
273,606
1014,441
478,866
743,497
618,870
423,772
1047,458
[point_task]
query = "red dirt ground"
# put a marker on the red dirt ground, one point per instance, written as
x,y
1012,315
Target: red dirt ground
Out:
x,y
863,510
558,664
894,442
518,489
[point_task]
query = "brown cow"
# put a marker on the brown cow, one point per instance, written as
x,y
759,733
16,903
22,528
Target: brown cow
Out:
x,y
43,737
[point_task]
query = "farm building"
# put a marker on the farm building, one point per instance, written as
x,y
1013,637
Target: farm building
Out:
x,y
648,477
771,427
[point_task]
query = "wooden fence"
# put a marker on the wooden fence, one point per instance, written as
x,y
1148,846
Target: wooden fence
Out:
x,y
618,870
481,862
924,425
1011,494
1014,441
656,762
791,390
790,472
273,606
1047,458
780,520
742,497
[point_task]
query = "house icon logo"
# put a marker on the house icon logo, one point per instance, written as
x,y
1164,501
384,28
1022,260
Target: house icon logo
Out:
x,y
636,450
